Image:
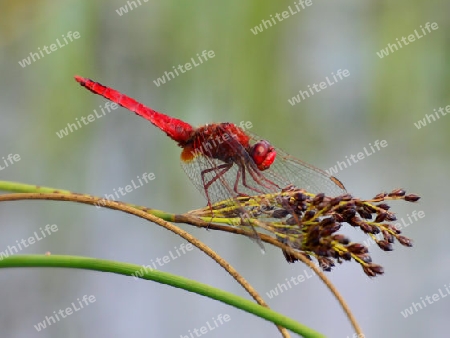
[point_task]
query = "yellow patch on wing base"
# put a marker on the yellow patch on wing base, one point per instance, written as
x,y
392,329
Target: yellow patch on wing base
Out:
x,y
188,154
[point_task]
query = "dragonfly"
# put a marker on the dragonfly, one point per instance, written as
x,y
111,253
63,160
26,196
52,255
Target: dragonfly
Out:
x,y
223,160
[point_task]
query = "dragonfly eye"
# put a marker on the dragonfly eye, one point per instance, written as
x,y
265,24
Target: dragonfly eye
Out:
x,y
263,154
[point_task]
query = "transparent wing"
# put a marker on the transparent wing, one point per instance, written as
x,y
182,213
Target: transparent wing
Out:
x,y
211,168
220,180
289,170
202,170
240,175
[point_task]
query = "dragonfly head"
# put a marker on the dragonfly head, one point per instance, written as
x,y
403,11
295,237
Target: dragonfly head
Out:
x,y
263,154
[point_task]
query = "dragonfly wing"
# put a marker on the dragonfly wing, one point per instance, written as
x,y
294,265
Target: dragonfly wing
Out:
x,y
202,169
305,176
221,189
287,170
235,174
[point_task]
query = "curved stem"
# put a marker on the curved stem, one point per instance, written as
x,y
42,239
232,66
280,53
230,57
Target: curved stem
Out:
x,y
144,213
127,269
196,221
300,256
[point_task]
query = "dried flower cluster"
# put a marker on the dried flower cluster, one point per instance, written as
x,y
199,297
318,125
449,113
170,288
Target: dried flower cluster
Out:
x,y
309,223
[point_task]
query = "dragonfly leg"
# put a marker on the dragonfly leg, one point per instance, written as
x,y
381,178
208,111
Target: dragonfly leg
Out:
x,y
206,185
236,182
244,181
260,178
221,170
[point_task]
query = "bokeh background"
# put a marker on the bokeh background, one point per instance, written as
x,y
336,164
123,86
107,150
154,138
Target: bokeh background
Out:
x,y
250,78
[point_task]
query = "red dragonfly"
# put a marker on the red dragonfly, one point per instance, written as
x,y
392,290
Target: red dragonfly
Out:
x,y
224,161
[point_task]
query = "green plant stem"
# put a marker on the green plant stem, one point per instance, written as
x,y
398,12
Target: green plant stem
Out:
x,y
29,188
127,269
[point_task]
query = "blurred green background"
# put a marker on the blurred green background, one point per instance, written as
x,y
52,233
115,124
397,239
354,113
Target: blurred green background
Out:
x,y
250,78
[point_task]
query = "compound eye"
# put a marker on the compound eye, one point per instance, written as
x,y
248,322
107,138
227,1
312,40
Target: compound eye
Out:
x,y
263,154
